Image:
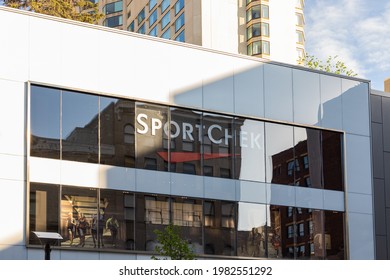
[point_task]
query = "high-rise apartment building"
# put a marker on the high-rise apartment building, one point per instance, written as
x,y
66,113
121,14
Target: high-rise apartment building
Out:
x,y
387,85
270,29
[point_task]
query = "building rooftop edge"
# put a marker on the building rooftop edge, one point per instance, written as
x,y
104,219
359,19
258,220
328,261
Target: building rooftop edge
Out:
x,y
156,39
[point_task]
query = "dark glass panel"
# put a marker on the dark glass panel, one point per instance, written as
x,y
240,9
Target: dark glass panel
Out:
x,y
249,150
187,213
80,127
185,134
220,228
332,151
252,230
152,213
117,211
218,145
117,132
281,232
152,133
43,210
279,154
78,209
45,122
334,235
308,160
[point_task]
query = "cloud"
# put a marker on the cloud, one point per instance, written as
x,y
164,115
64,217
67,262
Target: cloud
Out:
x,y
355,30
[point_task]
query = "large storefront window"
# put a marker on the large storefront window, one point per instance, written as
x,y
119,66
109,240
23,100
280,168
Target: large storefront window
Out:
x,y
105,219
121,132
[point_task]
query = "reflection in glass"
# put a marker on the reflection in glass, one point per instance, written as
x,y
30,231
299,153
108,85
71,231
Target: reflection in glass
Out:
x,y
249,150
152,133
185,134
117,132
252,230
332,150
334,235
218,145
279,152
220,228
188,214
43,209
78,208
152,213
80,126
308,159
45,122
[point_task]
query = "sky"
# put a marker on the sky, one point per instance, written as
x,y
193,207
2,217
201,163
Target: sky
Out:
x,y
357,31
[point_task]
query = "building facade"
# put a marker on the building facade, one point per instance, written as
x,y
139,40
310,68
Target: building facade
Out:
x,y
268,29
251,159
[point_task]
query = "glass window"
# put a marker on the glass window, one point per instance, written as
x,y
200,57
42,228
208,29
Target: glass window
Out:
x,y
131,27
117,137
179,5
151,132
300,37
334,235
179,22
299,4
164,5
142,29
253,30
43,210
153,32
307,144
80,123
332,151
249,150
45,122
152,213
78,207
113,21
252,230
217,133
185,129
165,20
113,7
180,37
153,18
256,47
299,19
152,4
265,29
166,34
279,152
264,11
219,231
265,47
141,16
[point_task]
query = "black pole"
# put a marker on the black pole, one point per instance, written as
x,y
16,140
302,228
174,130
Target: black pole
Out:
x,y
47,251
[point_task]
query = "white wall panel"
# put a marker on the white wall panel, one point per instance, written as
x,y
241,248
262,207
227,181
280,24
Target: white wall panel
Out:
x,y
306,97
78,255
361,238
14,45
334,200
356,116
358,164
280,195
115,177
12,167
45,170
12,107
8,252
359,203
219,188
249,89
79,174
116,256
187,185
152,181
278,92
251,192
309,198
39,254
12,213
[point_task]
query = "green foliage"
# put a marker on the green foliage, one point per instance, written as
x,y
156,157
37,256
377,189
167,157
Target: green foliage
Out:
x,y
331,65
172,245
80,10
